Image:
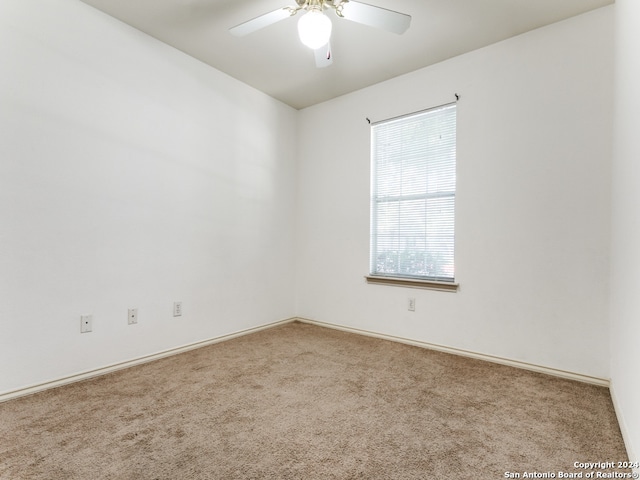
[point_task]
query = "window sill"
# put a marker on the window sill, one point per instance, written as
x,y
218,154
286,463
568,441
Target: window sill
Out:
x,y
412,283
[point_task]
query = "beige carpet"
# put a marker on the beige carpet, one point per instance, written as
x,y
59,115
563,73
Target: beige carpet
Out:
x,y
304,402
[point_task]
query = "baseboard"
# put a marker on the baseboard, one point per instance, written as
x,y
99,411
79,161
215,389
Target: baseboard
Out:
x,y
185,348
132,363
624,429
466,353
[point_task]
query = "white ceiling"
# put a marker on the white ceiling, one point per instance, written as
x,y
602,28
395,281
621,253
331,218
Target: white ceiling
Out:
x,y
274,61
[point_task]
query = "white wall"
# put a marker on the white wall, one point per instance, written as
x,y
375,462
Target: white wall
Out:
x,y
131,175
533,204
625,258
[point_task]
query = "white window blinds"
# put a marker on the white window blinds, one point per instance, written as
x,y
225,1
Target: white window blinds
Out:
x,y
413,195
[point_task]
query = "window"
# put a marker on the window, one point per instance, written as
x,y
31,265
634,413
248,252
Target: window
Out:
x,y
413,196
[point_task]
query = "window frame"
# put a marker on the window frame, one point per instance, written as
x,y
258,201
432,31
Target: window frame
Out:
x,y
444,283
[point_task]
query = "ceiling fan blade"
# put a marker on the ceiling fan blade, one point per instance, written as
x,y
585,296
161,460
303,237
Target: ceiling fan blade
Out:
x,y
323,55
395,22
262,21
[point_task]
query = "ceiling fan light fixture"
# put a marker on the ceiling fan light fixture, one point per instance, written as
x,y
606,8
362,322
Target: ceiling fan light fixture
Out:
x,y
314,29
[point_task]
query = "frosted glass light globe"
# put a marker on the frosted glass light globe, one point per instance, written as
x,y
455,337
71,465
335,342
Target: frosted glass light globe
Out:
x,y
314,29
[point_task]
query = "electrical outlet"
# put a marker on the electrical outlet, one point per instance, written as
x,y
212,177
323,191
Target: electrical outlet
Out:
x,y
177,309
411,304
133,316
86,323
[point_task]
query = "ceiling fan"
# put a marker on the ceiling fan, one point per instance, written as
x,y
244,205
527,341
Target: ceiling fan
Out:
x,y
314,27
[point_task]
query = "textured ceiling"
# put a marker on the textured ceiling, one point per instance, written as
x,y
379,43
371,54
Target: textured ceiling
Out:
x,y
274,61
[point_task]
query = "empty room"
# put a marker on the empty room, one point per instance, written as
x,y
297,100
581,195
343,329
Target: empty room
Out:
x,y
408,248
